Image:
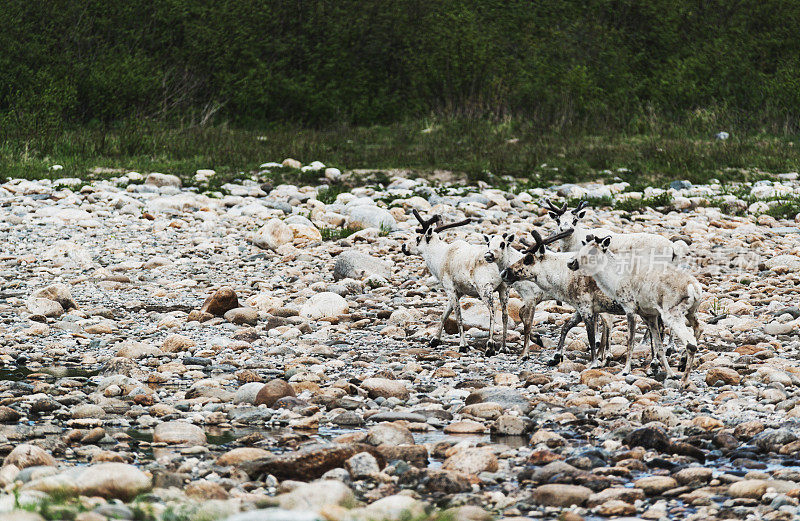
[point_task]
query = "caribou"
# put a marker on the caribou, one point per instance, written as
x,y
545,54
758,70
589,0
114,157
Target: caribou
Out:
x,y
462,269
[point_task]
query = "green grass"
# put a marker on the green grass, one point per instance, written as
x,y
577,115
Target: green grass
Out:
x,y
334,234
472,149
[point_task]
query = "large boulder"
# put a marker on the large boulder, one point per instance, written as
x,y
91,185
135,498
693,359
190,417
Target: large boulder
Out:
x,y
161,180
308,463
472,461
179,433
27,455
367,216
383,387
508,397
220,302
389,434
315,496
113,480
240,455
353,264
559,495
273,391
273,235
59,293
323,305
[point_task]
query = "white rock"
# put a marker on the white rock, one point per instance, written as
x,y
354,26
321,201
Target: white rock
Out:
x,y
325,304
273,235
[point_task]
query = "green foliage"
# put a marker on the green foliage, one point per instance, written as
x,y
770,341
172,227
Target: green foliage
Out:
x,y
785,208
592,202
334,234
662,200
536,160
328,195
561,64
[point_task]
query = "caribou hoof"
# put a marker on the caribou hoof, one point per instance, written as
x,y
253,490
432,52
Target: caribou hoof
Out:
x,y
555,360
434,342
491,348
682,364
463,349
536,338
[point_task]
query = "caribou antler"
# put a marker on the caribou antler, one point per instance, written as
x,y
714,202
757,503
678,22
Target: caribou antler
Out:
x,y
541,243
559,236
581,206
553,208
425,224
452,225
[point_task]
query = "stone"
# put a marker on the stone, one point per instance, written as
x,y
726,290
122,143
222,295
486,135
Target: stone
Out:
x,y
659,414
389,434
274,234
317,495
625,494
162,180
248,393
8,415
220,302
179,433
325,304
176,343
725,375
693,475
273,391
395,508
510,425
307,463
507,397
134,350
58,293
559,495
242,316
385,388
615,507
27,455
655,485
465,427
113,481
596,378
362,465
44,307
416,455
205,490
365,216
240,455
748,488
472,461
353,264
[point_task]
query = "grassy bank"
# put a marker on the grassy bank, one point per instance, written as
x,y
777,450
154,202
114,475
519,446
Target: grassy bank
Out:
x,y
472,149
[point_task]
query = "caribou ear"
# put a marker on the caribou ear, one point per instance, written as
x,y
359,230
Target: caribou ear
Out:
x,y
486,238
553,215
510,239
580,214
605,242
589,238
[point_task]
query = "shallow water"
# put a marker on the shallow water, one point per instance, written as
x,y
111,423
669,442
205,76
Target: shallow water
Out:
x,y
19,372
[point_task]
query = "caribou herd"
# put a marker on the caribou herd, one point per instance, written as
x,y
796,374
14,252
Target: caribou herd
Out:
x,y
596,272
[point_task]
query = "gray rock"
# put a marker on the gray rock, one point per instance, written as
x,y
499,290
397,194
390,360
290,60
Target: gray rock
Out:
x,y
353,264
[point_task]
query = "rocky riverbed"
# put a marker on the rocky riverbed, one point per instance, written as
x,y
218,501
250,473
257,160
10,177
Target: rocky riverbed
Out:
x,y
260,354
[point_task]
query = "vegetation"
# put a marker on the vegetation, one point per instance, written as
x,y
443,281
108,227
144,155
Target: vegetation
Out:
x,y
602,64
476,149
484,88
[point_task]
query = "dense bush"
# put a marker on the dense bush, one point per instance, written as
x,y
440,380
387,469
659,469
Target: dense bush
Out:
x,y
609,64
